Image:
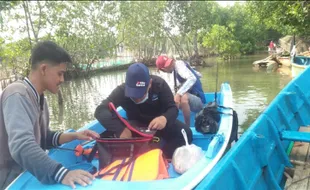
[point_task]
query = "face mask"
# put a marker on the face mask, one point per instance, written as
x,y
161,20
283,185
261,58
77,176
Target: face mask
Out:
x,y
142,101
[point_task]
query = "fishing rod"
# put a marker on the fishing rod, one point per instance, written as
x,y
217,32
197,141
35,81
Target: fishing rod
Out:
x,y
217,74
216,82
175,82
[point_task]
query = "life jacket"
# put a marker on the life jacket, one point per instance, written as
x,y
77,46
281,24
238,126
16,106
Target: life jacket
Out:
x,y
147,166
197,87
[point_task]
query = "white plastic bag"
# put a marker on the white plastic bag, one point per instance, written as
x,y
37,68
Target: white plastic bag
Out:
x,y
186,156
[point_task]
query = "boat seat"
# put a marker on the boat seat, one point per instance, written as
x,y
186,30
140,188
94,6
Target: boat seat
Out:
x,y
201,140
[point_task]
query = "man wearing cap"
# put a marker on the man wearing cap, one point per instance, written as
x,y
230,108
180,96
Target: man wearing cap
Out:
x,y
190,97
147,99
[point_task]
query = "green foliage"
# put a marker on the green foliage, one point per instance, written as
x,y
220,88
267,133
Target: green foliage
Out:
x,y
247,48
16,55
192,19
287,17
93,30
4,6
222,40
141,26
83,28
245,27
87,37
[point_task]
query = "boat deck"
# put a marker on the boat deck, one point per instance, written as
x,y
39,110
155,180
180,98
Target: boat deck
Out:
x,y
299,176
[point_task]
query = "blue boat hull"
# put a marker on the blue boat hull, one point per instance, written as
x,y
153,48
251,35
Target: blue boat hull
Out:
x,y
259,158
213,145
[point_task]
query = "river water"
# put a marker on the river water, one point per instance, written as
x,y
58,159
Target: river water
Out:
x,y
252,90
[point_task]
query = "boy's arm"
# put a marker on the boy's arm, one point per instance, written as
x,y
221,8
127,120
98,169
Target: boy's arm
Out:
x,y
53,139
19,124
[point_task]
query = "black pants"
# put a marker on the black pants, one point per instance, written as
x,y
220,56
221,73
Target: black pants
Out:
x,y
173,137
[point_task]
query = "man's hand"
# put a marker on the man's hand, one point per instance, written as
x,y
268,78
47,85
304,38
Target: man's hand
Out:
x,y
87,135
158,123
77,176
125,134
177,99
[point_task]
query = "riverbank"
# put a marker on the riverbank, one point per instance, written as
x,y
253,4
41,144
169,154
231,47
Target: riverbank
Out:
x,y
73,74
150,62
97,68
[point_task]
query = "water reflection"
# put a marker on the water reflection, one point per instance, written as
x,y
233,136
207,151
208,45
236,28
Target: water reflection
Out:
x,y
252,91
81,97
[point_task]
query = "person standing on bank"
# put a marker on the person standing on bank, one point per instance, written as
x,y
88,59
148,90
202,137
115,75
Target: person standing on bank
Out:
x,y
190,97
148,100
24,122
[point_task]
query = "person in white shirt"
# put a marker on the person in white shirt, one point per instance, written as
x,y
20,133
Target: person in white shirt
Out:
x,y
293,54
190,96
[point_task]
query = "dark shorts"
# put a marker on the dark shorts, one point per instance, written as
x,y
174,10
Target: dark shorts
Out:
x,y
195,103
173,137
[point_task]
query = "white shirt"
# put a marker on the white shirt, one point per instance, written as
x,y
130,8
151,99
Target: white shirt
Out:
x,y
293,52
185,73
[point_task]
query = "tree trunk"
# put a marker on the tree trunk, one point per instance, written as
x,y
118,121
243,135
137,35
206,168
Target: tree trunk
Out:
x,y
175,44
164,46
60,98
188,48
39,25
144,51
35,34
61,113
27,24
139,55
195,45
154,48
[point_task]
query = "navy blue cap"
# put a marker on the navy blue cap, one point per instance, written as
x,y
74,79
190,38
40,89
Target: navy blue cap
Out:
x,y
137,80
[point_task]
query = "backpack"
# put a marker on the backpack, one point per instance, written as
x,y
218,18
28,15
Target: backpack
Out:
x,y
206,121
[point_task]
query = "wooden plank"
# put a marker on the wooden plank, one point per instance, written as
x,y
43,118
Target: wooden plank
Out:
x,y
301,178
289,173
300,153
300,149
299,182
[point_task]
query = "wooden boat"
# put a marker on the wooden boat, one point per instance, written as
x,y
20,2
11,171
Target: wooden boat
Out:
x,y
285,61
299,64
270,63
259,158
214,147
